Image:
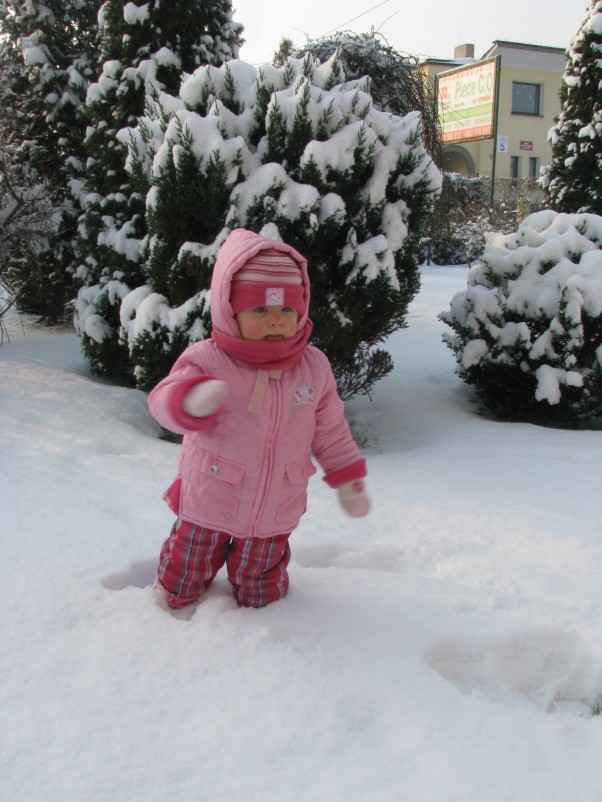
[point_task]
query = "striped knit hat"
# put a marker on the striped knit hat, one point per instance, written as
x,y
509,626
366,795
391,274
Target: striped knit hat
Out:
x,y
270,278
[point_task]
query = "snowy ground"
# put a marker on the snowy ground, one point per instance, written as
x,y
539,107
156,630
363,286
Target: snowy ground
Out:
x,y
446,649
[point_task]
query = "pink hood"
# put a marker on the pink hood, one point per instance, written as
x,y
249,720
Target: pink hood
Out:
x,y
240,246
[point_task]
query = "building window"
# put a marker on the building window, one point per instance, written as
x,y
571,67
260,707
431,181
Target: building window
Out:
x,y
514,166
533,167
525,98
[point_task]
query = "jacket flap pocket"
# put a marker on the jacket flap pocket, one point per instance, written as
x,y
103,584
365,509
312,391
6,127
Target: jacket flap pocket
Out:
x,y
220,468
299,472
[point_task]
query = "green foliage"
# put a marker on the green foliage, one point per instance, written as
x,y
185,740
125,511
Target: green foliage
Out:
x,y
142,56
285,51
102,345
460,216
397,83
573,179
191,203
47,58
528,330
157,347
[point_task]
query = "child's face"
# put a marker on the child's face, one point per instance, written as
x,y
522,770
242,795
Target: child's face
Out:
x,y
267,323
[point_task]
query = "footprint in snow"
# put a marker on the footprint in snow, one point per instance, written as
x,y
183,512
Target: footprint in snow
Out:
x,y
137,574
554,669
380,557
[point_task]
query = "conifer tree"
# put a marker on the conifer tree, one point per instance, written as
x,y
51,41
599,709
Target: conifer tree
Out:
x,y
286,48
573,179
527,332
47,58
301,155
397,83
26,212
145,49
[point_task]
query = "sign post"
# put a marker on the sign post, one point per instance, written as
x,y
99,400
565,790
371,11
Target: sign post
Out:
x,y
495,136
467,99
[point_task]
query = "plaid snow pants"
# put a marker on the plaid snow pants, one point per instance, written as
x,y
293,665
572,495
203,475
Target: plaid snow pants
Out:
x,y
192,556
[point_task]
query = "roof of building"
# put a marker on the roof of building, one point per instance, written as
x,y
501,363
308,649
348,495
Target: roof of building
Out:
x,y
522,46
497,44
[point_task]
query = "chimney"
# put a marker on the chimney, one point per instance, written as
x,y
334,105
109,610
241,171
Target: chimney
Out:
x,y
464,51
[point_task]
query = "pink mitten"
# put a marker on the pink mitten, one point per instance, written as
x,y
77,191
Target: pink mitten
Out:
x,y
205,398
353,498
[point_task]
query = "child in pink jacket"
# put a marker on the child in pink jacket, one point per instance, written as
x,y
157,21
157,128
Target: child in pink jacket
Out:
x,y
253,402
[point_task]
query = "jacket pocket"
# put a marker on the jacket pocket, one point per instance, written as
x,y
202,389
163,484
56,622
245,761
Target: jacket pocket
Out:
x,y
294,490
214,485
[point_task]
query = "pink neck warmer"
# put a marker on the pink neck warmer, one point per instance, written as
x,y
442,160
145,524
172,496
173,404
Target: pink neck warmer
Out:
x,y
263,354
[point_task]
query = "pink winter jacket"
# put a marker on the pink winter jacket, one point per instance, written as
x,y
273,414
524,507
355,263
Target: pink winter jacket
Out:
x,y
245,469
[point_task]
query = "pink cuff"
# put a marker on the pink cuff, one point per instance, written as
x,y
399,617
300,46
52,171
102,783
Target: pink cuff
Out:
x,y
176,405
355,471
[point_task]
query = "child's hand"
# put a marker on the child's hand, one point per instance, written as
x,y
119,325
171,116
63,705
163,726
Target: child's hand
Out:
x,y
353,498
205,398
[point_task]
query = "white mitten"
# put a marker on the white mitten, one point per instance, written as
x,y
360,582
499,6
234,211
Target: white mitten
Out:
x,y
353,498
205,398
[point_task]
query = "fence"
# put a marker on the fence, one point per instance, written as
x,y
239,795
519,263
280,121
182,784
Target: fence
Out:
x,y
523,195
464,213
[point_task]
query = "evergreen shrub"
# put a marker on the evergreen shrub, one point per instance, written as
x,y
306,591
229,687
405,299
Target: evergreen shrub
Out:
x,y
573,179
527,332
301,155
454,233
144,49
48,56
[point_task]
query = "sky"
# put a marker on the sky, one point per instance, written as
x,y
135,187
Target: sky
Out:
x,y
446,647
408,27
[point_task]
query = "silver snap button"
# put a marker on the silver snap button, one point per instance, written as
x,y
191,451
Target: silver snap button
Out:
x,y
214,469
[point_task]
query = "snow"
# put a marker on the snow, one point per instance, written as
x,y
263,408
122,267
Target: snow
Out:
x,y
332,205
106,82
121,238
244,76
133,14
143,310
338,152
549,380
447,647
33,54
373,256
594,23
87,317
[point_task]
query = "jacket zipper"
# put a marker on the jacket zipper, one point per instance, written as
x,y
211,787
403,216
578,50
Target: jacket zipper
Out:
x,y
268,456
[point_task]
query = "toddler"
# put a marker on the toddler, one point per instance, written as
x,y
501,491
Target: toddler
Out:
x,y
252,403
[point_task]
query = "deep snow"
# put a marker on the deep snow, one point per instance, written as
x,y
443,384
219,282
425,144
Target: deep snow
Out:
x,y
446,649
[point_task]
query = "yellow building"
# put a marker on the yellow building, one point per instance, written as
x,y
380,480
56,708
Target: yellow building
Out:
x,y
529,85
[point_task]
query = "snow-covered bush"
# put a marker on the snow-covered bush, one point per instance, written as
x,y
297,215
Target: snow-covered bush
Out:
x,y
455,227
463,215
573,179
97,315
145,50
528,329
301,155
47,58
397,81
157,333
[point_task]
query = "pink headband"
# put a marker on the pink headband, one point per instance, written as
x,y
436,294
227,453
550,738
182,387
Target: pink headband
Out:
x,y
247,295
